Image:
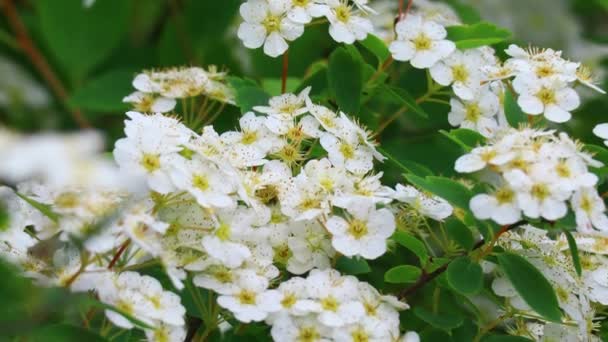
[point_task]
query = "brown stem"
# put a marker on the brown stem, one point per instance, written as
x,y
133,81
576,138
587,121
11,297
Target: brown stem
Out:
x,y
284,73
118,254
40,63
425,278
402,12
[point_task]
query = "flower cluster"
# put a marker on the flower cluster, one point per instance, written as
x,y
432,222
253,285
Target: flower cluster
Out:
x,y
539,172
273,23
577,296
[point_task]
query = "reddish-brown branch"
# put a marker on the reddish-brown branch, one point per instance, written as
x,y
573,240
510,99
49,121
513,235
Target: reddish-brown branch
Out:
x,y
31,51
284,73
118,254
402,12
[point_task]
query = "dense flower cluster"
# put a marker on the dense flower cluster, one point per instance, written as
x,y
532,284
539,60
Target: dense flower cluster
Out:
x,y
273,23
577,296
539,173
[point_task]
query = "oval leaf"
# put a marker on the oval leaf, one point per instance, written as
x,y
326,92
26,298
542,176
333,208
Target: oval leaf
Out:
x,y
515,116
476,35
531,285
465,276
345,80
413,244
402,274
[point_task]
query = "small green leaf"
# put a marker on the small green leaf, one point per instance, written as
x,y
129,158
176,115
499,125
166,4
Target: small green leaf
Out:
x,y
273,85
402,274
376,46
4,217
476,35
466,138
248,94
104,93
45,209
465,276
531,285
346,80
400,96
441,321
450,190
413,244
352,266
574,252
515,116
460,233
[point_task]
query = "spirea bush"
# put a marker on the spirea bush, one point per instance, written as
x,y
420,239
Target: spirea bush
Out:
x,y
230,209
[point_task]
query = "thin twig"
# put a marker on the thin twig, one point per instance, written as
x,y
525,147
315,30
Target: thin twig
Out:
x,y
425,278
118,254
284,73
40,63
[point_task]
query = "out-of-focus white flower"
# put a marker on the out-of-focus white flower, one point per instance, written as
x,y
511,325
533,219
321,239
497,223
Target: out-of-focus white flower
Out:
x,y
432,206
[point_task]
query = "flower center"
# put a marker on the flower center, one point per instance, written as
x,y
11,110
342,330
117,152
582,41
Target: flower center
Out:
x,y
540,191
544,70
309,203
223,275
267,194
460,73
223,232
289,300
300,3
150,162
360,335
200,182
504,195
563,170
422,42
473,112
357,229
282,254
586,203
546,96
308,334
347,150
249,137
329,304
247,297
271,23
67,200
343,13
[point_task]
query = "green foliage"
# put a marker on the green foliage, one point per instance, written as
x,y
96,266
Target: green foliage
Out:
x,y
440,321
402,274
465,276
413,244
82,38
450,190
466,138
476,35
376,46
515,116
576,259
45,209
531,285
63,333
352,266
104,93
460,233
248,94
345,79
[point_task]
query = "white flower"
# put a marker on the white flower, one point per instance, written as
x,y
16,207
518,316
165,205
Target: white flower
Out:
x,y
250,301
266,23
432,206
584,76
502,206
148,103
462,69
225,243
590,210
165,332
283,110
364,233
204,181
481,157
421,42
302,11
295,329
310,246
173,83
410,336
601,131
478,114
550,96
345,25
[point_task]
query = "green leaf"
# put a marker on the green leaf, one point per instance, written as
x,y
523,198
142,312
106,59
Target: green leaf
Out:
x,y
402,274
273,85
505,338
45,209
476,35
400,96
81,38
465,276
441,321
413,244
460,233
376,46
104,93
4,217
515,116
450,190
531,285
62,333
466,138
130,318
599,153
574,252
346,80
352,266
467,13
248,94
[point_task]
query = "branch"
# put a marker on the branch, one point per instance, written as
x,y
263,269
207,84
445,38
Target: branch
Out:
x,y
428,277
28,47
